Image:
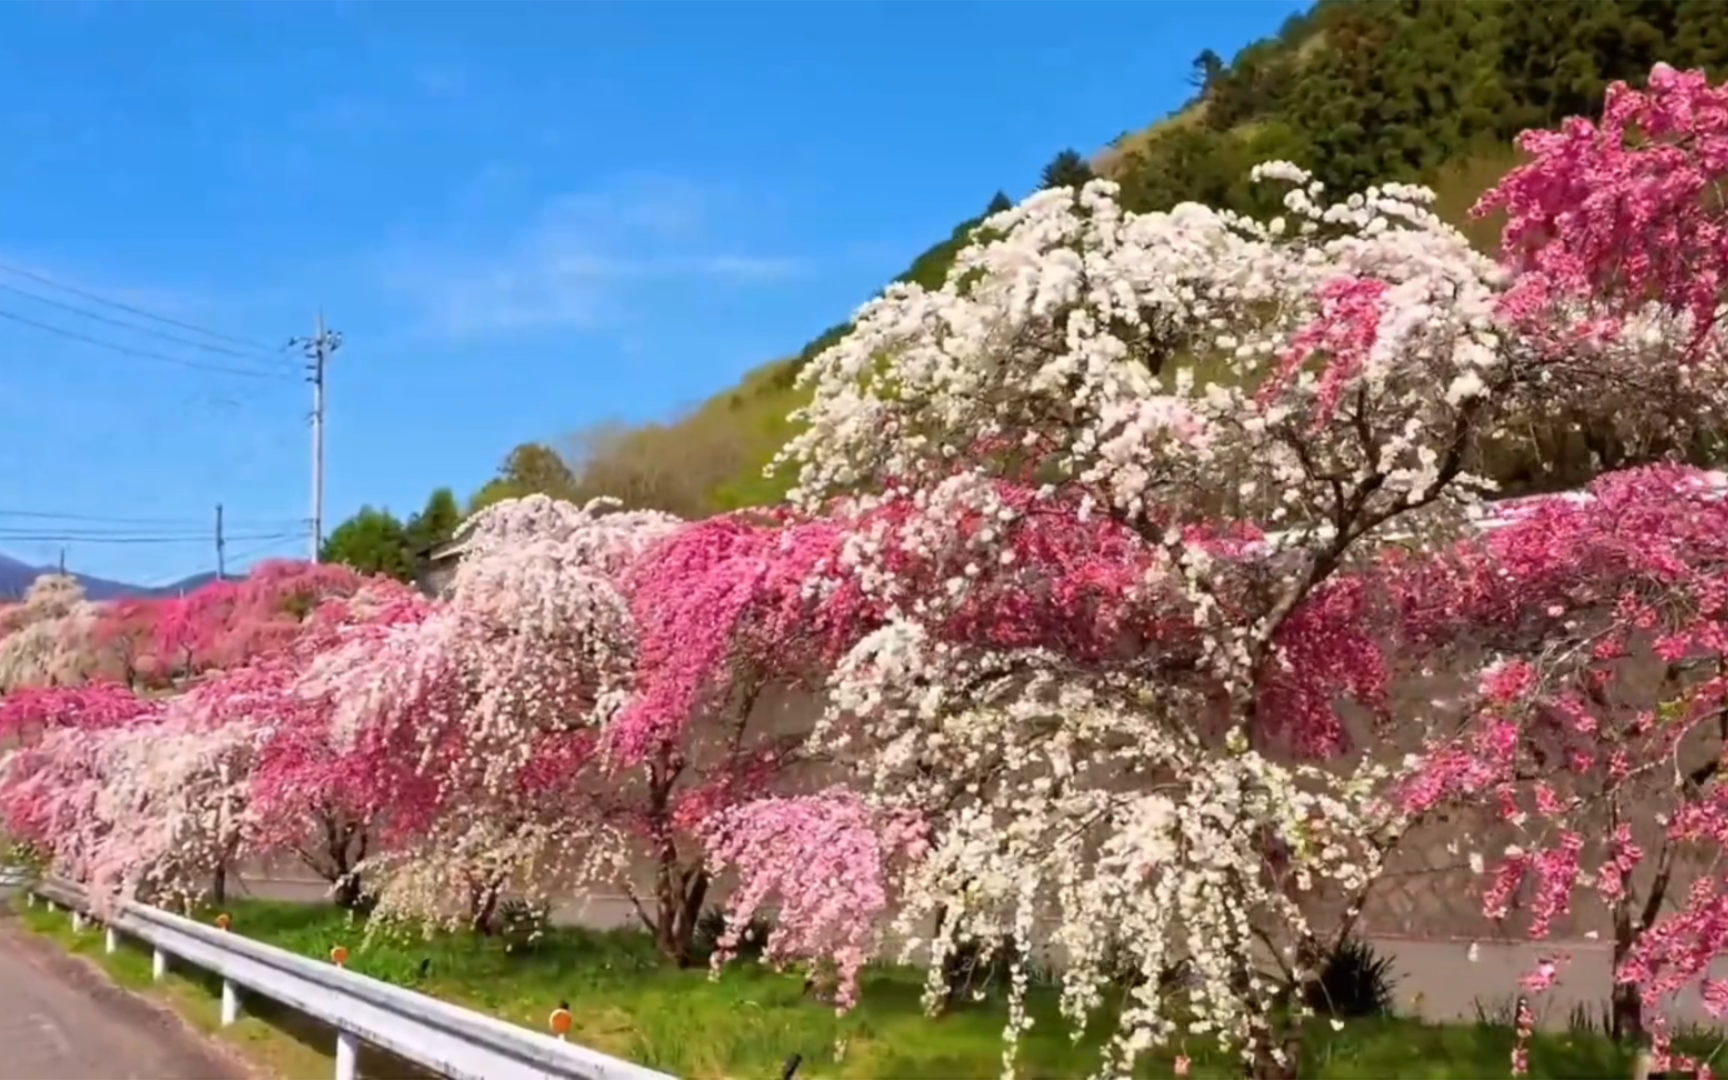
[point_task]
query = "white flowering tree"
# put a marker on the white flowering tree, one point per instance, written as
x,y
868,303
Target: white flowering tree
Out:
x,y
1117,495
42,638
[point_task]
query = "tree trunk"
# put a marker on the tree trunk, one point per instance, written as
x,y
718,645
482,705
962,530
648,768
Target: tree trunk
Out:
x,y
950,991
219,885
673,931
346,844
1626,1005
483,906
678,897
1626,1019
689,913
348,892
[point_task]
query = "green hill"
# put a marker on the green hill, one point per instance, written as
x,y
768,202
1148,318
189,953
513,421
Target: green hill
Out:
x,y
1358,91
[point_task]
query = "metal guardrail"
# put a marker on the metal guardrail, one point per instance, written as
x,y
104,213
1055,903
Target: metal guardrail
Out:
x,y
450,1040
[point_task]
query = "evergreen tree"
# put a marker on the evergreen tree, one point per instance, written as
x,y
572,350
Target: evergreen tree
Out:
x,y
435,523
1067,169
372,542
1207,67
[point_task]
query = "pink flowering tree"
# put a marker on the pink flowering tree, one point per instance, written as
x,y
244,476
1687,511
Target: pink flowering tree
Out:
x,y
143,797
175,778
122,642
30,713
724,650
1598,728
48,794
258,753
585,700
226,623
47,780
308,797
133,796
480,722
1116,492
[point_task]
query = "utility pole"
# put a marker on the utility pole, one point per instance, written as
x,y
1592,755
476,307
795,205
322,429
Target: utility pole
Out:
x,y
62,560
221,564
318,349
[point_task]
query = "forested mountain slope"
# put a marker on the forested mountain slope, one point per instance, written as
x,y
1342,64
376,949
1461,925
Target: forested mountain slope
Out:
x,y
1358,91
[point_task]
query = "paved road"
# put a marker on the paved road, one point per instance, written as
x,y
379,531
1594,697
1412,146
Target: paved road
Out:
x,y
60,1020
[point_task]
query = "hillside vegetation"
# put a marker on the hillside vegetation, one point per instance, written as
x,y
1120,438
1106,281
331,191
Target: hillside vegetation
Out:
x,y
1358,92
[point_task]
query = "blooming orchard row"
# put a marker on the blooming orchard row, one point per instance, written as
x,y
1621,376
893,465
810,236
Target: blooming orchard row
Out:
x,y
1106,564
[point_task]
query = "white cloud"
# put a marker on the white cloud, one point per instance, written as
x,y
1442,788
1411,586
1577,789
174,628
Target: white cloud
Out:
x,y
572,262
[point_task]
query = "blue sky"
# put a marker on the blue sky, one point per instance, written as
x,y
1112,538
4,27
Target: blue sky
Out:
x,y
523,218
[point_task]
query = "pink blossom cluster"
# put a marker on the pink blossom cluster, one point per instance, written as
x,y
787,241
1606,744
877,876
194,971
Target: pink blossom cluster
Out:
x,y
511,735
173,783
1597,730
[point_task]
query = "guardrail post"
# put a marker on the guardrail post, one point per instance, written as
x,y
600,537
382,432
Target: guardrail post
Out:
x,y
230,1002
77,922
347,1055
29,899
110,940
158,964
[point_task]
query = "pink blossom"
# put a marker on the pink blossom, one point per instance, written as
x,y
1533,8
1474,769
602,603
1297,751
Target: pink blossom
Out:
x,y
1345,331
1616,211
824,862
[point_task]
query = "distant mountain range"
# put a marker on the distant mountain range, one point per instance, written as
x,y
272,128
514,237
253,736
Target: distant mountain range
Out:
x,y
16,576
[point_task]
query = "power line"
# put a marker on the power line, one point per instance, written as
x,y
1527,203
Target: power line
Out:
x,y
239,557
247,553
100,518
146,354
49,532
222,350
117,305
95,535
203,538
116,519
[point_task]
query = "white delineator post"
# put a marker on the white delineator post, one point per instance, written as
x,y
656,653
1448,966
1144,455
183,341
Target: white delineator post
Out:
x,y
158,965
347,1056
110,940
230,1002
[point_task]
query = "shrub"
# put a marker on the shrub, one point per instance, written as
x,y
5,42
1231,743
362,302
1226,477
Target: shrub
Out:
x,y
1355,981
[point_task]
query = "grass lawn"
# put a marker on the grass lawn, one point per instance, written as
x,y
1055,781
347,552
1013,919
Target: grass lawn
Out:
x,y
746,1024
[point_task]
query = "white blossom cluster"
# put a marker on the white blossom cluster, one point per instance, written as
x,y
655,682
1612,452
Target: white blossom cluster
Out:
x,y
41,635
596,533
176,797
1129,352
1090,805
